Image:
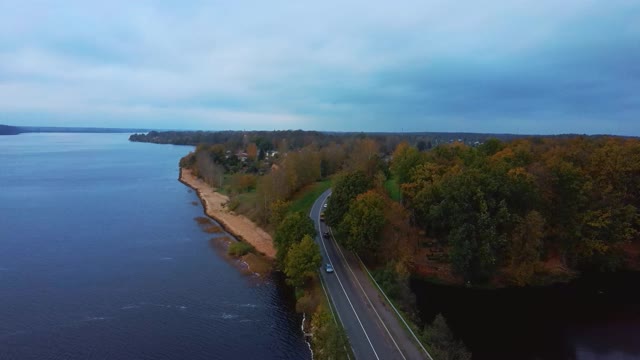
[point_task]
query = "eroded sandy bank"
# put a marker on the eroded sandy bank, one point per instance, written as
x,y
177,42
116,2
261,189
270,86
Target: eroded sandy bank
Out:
x,y
237,225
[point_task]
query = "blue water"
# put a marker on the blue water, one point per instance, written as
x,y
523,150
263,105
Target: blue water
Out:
x,y
100,258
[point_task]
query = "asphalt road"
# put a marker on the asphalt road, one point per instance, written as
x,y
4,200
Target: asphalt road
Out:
x,y
370,338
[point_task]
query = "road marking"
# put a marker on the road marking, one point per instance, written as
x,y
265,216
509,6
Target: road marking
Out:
x,y
365,294
333,313
332,302
343,289
396,310
326,294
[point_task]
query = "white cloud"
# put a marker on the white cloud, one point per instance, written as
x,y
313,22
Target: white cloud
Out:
x,y
282,59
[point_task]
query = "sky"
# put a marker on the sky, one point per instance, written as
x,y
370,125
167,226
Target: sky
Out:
x,y
525,67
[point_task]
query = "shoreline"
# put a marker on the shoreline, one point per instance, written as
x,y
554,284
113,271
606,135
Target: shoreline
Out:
x,y
239,226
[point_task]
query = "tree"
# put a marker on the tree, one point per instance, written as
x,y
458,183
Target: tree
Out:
x,y
363,222
347,187
293,228
525,247
401,240
264,145
217,153
252,151
329,340
491,146
362,156
243,182
302,261
278,211
442,343
207,169
405,159
332,158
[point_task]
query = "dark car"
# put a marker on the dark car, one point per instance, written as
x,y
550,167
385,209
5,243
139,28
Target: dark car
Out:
x,y
326,235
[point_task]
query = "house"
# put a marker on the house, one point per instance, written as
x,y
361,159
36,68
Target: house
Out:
x,y
242,156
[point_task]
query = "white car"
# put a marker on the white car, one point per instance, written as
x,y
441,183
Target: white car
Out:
x,y
328,268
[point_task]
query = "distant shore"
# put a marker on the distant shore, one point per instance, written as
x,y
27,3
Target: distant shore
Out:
x,y
237,225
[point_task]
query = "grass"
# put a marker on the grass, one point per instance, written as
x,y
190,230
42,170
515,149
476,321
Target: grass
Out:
x,y
323,299
393,189
309,297
305,198
243,203
239,248
407,323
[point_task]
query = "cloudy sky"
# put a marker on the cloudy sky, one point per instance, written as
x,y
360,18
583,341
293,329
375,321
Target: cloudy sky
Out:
x,y
544,66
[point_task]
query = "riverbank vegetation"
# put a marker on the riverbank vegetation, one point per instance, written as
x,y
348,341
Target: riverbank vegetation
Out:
x,y
299,257
329,339
277,191
239,249
478,211
464,210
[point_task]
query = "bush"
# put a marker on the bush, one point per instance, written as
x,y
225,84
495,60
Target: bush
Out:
x,y
396,286
329,340
239,248
442,343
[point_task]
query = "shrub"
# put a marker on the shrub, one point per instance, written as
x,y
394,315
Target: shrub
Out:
x,y
239,248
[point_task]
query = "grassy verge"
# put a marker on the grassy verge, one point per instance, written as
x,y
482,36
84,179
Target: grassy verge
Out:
x,y
393,189
329,339
408,323
304,199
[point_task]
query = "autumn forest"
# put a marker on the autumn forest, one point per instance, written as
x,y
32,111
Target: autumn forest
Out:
x,y
463,209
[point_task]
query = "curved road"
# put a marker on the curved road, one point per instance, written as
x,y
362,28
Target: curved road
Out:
x,y
358,305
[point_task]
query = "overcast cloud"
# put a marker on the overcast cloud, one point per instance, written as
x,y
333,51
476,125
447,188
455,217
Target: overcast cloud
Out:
x,y
493,66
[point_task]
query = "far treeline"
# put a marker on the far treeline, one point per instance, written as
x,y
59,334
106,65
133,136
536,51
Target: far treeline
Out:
x,y
523,211
16,130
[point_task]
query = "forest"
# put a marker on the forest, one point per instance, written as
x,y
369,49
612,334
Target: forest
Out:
x,y
479,211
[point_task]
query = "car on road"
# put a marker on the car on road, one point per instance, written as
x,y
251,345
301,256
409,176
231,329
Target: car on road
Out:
x,y
325,205
328,268
326,234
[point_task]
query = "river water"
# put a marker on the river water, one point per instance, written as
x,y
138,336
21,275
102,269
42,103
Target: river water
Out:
x,y
595,317
100,258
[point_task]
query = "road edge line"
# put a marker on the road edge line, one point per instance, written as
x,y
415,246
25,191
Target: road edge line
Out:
x,y
394,308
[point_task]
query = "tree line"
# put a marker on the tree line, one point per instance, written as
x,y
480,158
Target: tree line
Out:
x,y
509,206
498,209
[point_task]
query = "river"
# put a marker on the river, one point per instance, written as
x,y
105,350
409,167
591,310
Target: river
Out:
x,y
100,257
595,317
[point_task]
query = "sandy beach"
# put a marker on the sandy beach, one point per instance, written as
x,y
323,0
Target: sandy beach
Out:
x,y
237,225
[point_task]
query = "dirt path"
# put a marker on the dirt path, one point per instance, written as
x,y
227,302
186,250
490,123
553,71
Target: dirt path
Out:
x,y
237,225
